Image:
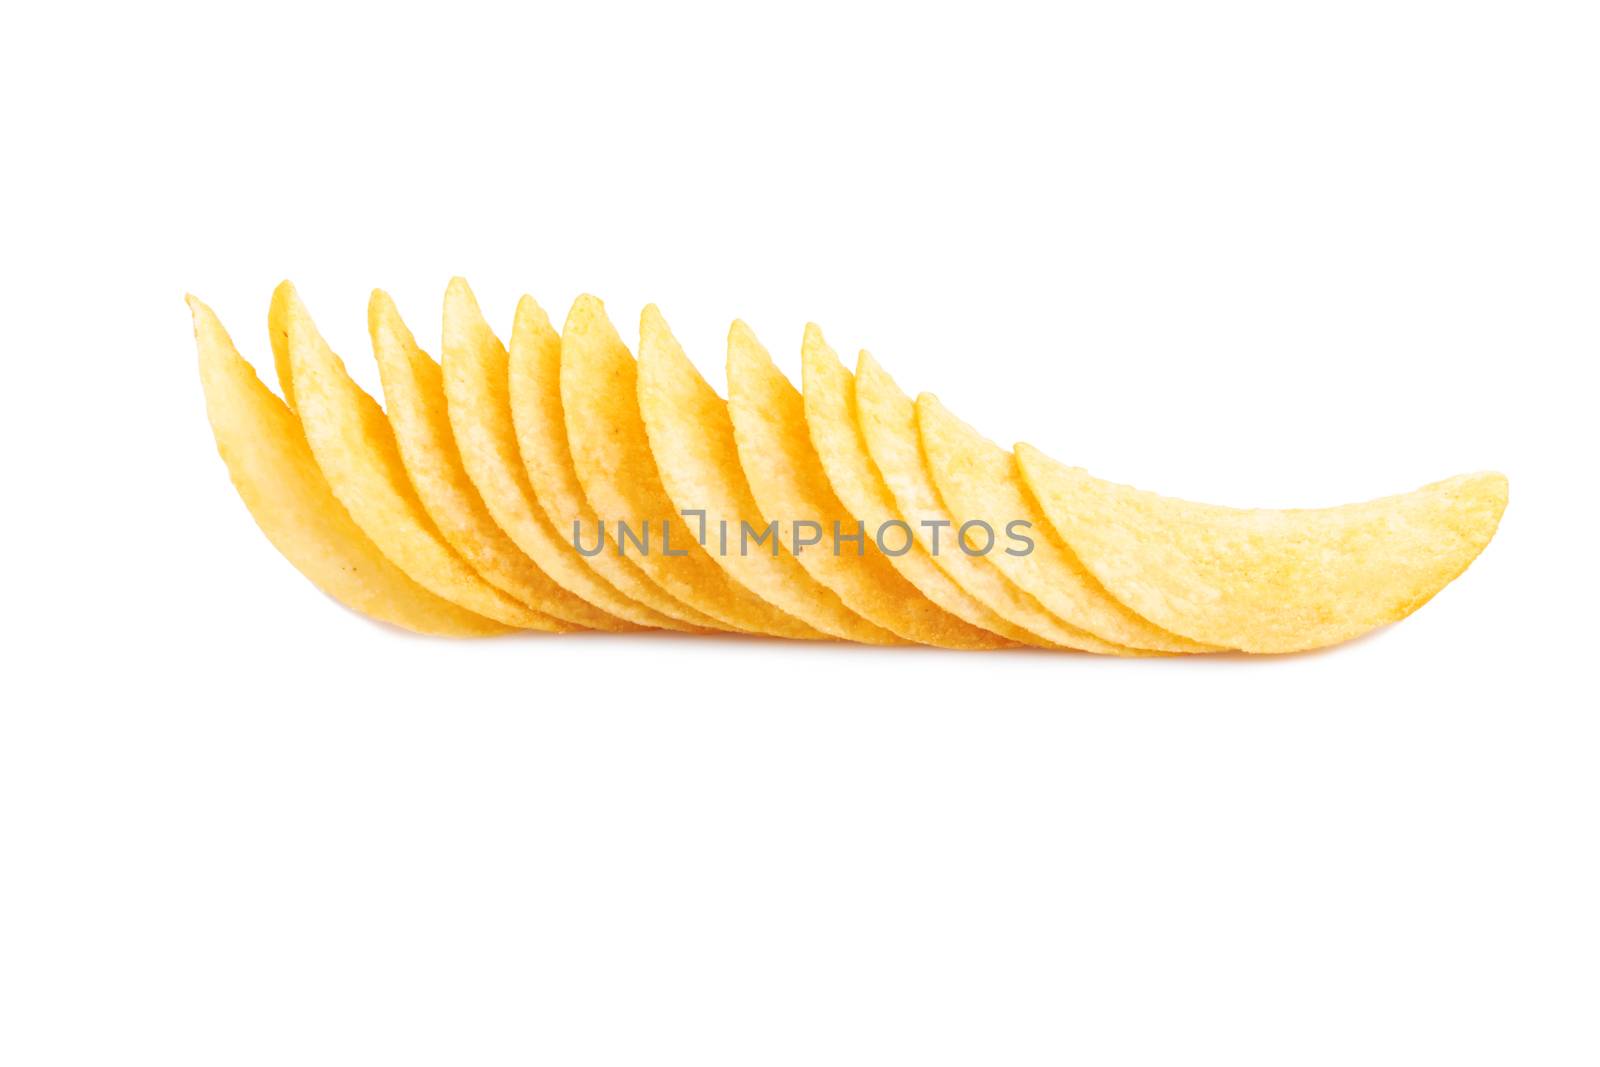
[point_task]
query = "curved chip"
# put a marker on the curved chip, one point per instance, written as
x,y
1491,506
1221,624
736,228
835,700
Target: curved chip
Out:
x,y
477,393
692,439
355,447
829,394
612,457
1265,580
535,389
888,420
278,479
414,389
771,513
786,476
978,482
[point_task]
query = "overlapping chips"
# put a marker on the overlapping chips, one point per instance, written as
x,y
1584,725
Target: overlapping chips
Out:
x,y
563,486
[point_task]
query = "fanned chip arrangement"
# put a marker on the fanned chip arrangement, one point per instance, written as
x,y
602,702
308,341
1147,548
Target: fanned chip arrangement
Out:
x,y
556,483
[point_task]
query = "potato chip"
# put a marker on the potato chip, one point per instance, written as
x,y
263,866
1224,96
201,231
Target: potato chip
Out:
x,y
535,389
1264,580
611,454
786,476
477,392
355,447
771,513
691,437
829,395
978,482
889,427
272,467
414,389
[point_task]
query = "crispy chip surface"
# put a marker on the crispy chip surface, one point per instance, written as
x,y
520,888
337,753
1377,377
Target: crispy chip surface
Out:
x,y
1267,580
355,447
786,475
692,439
535,383
413,386
611,454
829,394
478,400
978,481
888,420
847,511
277,477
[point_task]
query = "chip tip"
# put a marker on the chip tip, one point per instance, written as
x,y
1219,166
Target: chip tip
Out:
x,y
530,316
652,327
1496,483
286,302
200,315
300,328
459,292
462,309
588,313
814,349
381,313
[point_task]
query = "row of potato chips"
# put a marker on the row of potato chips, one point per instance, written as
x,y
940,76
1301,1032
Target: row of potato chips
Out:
x,y
563,484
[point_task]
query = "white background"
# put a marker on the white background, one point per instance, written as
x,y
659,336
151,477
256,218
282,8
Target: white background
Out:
x,y
1262,254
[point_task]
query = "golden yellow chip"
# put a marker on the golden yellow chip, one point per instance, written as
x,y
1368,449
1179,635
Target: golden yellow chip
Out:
x,y
477,391
889,427
611,454
535,384
1263,580
978,482
786,476
561,485
414,389
355,447
278,478
691,437
829,394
